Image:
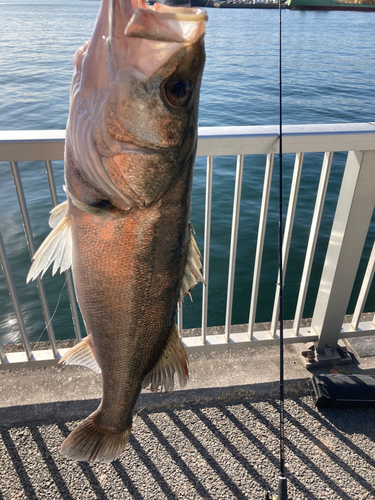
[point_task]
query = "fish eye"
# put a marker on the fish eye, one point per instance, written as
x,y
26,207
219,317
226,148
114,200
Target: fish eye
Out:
x,y
176,92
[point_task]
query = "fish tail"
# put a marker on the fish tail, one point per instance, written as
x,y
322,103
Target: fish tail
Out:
x,y
91,443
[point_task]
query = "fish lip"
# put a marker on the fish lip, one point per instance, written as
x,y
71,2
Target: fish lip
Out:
x,y
129,147
155,23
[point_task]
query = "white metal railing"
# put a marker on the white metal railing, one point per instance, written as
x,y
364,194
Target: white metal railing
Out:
x,y
353,215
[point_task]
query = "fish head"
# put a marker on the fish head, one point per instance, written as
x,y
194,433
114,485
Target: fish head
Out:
x,y
133,120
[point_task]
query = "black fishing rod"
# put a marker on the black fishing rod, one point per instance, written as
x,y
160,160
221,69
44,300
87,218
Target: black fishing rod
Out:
x,y
282,484
282,493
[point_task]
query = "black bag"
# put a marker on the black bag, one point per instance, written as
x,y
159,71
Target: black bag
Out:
x,y
345,391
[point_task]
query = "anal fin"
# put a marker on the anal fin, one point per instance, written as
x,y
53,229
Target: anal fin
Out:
x,y
172,360
82,354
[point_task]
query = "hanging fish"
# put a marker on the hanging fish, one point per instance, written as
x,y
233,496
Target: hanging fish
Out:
x,y
130,149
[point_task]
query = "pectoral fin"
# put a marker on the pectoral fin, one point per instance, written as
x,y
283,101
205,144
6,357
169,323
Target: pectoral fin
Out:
x,y
172,360
57,214
56,248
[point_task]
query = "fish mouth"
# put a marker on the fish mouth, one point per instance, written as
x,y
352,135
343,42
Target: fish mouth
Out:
x,y
165,23
132,147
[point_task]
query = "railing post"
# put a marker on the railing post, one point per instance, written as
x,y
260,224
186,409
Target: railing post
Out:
x,y
15,301
207,237
260,242
30,242
233,245
353,215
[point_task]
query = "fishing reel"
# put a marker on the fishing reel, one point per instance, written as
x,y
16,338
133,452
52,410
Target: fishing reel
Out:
x,y
273,496
281,492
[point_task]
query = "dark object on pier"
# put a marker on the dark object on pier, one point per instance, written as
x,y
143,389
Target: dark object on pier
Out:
x,y
344,391
236,4
175,3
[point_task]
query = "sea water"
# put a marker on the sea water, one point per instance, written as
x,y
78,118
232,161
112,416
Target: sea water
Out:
x,y
328,77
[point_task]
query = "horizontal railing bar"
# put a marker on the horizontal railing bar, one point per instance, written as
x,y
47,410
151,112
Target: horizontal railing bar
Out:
x,y
364,329
39,145
263,338
296,138
194,344
38,358
241,340
32,145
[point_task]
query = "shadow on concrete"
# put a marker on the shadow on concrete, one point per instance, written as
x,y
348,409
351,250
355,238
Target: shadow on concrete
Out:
x,y
126,481
18,465
76,409
346,422
305,458
193,479
236,454
231,452
50,463
319,443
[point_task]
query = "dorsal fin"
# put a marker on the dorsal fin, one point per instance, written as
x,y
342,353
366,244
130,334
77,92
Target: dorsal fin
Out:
x,y
193,268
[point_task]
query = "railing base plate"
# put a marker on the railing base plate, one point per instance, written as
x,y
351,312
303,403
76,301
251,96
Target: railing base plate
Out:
x,y
310,358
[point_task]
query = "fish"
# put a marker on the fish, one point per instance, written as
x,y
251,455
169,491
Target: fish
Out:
x,y
125,227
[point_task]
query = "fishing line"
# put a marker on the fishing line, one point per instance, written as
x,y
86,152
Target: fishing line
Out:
x,y
282,484
57,305
53,315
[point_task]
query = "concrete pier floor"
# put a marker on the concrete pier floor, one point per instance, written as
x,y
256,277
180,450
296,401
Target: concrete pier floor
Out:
x,y
216,439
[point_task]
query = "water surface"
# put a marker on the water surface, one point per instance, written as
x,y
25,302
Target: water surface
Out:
x,y
328,77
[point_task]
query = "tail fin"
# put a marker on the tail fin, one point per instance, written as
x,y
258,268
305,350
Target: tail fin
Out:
x,y
88,442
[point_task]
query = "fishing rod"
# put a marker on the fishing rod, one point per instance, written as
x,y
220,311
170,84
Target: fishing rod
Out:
x,y
282,483
282,493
